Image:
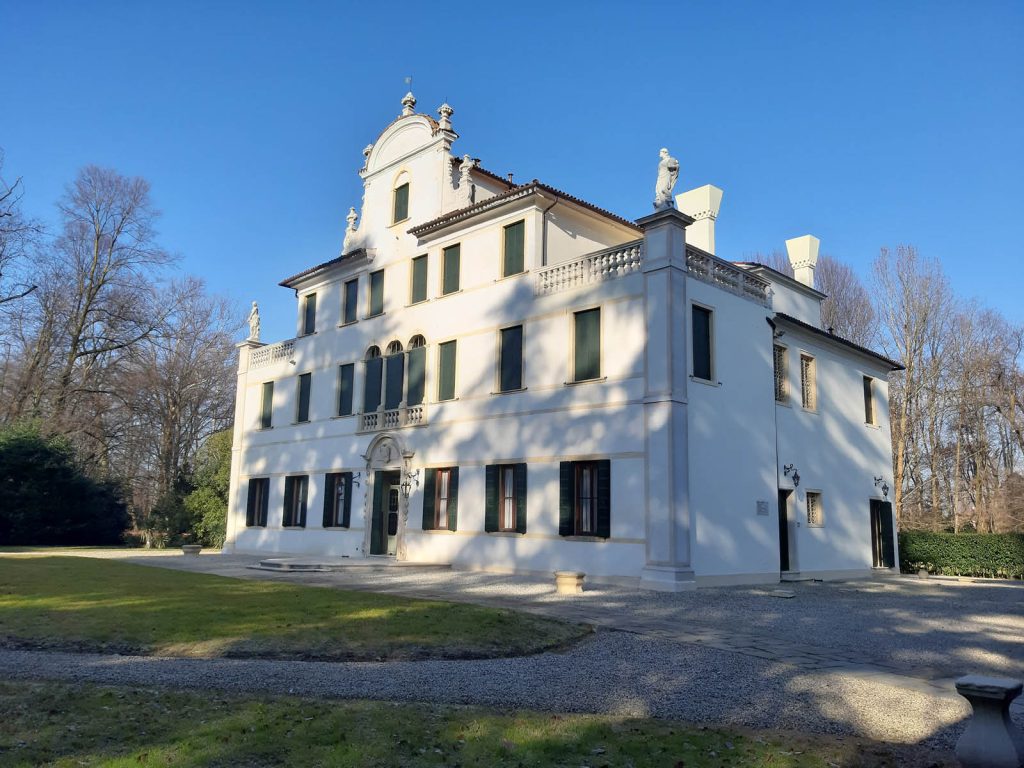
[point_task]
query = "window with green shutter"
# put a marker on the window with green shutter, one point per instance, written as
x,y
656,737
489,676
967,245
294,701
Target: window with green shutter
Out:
x,y
419,280
441,499
346,387
309,314
514,250
337,499
374,374
376,294
351,309
302,410
401,208
446,370
417,375
296,488
701,332
257,502
587,354
510,359
394,374
267,405
584,498
451,258
505,498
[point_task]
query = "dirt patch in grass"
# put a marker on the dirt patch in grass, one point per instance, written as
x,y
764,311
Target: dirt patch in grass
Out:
x,y
81,604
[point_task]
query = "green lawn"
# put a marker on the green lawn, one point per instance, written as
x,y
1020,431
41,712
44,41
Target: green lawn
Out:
x,y
89,725
102,605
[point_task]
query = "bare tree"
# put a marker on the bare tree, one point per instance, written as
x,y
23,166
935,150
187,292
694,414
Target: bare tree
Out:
x,y
16,233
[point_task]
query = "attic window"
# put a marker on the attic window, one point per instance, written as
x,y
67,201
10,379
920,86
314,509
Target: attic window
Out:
x,y
401,206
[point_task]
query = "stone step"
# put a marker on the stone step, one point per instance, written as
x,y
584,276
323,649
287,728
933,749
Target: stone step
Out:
x,y
321,565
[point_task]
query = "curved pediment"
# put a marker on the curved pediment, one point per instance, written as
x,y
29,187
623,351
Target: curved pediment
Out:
x,y
400,139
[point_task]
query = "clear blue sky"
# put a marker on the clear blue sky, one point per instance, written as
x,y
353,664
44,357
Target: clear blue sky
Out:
x,y
866,124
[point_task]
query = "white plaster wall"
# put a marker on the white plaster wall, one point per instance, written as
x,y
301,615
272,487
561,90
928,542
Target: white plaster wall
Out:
x,y
792,302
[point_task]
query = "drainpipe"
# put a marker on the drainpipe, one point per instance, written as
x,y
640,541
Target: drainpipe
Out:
x,y
544,234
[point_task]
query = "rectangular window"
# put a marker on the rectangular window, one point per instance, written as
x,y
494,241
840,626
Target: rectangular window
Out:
x,y
446,371
351,300
451,259
584,498
346,387
441,499
257,501
808,386
869,401
376,294
337,499
302,411
505,502
418,291
510,359
416,379
587,356
401,203
372,383
781,383
514,251
295,489
815,512
309,314
701,322
267,405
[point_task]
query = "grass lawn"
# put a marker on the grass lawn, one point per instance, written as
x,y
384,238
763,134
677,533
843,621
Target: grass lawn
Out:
x,y
102,605
82,724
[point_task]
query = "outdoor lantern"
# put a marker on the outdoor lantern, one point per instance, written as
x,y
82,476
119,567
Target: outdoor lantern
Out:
x,y
407,482
884,485
790,469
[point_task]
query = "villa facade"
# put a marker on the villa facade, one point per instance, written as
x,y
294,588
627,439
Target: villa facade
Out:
x,y
505,377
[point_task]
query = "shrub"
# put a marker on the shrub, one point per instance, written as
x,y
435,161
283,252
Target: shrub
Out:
x,y
45,498
963,554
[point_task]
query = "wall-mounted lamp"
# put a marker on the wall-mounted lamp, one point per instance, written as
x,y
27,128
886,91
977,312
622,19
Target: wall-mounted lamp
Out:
x,y
407,482
355,478
790,469
879,482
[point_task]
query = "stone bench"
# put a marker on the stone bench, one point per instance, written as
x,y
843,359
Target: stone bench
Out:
x,y
569,582
991,738
191,550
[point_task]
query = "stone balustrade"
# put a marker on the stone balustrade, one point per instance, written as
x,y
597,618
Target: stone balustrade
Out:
x,y
272,353
589,269
716,271
393,418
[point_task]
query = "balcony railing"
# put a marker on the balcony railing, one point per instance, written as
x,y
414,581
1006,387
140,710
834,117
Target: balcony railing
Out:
x,y
591,268
716,271
393,418
272,353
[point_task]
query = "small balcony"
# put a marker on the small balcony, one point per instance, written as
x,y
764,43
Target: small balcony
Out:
x,y
393,418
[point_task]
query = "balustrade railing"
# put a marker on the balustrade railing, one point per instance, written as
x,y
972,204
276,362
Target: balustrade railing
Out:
x,y
393,418
272,353
716,271
591,268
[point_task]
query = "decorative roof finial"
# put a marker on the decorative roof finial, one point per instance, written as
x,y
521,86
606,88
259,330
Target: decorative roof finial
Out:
x,y
446,112
409,102
668,172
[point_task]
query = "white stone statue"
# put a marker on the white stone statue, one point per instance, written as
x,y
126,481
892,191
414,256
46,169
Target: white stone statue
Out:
x,y
668,172
350,230
467,190
254,323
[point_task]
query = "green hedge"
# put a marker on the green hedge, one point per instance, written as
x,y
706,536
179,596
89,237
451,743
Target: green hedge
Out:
x,y
963,554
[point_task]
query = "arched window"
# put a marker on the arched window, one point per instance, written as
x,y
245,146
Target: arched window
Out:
x,y
374,364
395,376
417,370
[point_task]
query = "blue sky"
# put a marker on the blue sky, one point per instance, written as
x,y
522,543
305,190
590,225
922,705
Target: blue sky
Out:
x,y
866,124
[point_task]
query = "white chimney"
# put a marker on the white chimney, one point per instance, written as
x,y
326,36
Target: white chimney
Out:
x,y
701,204
803,256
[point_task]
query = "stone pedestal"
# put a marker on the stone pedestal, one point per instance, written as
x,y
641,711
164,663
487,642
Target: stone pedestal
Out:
x,y
191,550
569,582
991,739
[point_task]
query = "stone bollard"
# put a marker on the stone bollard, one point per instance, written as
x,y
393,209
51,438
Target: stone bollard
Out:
x,y
991,739
191,550
569,582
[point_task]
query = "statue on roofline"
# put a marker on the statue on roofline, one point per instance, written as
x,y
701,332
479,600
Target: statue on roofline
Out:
x,y
254,323
668,173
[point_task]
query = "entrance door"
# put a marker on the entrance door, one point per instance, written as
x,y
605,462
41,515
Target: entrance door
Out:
x,y
883,551
384,520
784,529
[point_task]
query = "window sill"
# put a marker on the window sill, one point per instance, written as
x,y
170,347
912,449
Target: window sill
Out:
x,y
336,528
264,429
705,382
513,276
370,317
450,293
598,380
872,426
417,303
447,400
400,221
504,533
345,323
296,423
442,531
343,416
293,527
304,335
586,537
784,403
509,391
810,410
255,526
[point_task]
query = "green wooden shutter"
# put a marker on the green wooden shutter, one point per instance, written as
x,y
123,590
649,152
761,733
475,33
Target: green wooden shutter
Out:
x,y
371,389
351,300
401,203
491,499
395,379
511,364
267,406
452,257
377,514
419,279
346,518
264,501
377,293
330,494
346,386
514,249
309,320
566,499
701,327
289,498
604,498
303,490
250,504
429,494
888,548
305,382
417,375
446,364
519,480
588,345
453,499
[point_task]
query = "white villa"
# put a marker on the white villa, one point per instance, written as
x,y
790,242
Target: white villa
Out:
x,y
505,377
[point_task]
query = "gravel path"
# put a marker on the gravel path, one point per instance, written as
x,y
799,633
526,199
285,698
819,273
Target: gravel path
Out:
x,y
871,658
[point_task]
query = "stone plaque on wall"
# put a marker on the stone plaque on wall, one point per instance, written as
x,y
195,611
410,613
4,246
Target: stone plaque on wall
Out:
x,y
762,508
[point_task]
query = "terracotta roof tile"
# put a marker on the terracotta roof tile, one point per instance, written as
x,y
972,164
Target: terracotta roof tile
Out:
x,y
839,340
